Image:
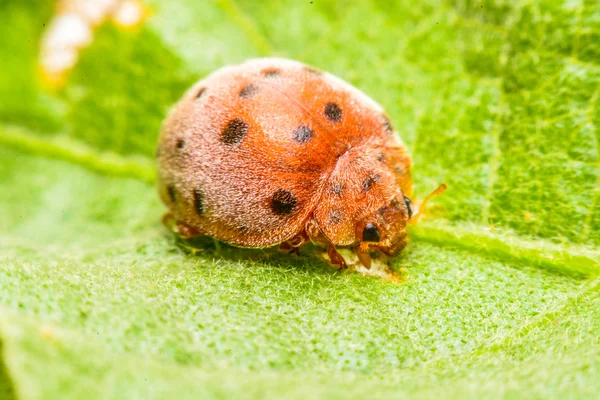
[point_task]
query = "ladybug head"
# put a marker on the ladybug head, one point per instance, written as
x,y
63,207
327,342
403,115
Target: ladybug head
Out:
x,y
384,230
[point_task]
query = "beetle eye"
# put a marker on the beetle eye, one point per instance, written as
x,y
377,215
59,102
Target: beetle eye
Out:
x,y
370,233
409,206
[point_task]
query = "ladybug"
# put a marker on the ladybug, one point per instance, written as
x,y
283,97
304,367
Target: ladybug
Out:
x,y
273,151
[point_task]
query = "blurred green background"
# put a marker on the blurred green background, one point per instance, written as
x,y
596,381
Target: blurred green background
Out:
x,y
499,99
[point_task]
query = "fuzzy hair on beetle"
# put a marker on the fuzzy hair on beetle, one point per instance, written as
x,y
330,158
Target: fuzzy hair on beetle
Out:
x,y
275,152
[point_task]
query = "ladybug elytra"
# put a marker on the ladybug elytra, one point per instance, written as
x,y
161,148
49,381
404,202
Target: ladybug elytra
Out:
x,y
272,151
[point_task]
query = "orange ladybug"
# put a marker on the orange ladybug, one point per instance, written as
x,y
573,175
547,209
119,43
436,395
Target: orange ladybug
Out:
x,y
272,151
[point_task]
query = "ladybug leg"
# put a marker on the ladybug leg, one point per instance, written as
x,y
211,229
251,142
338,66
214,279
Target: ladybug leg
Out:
x,y
183,229
314,234
168,220
287,248
336,258
292,246
186,231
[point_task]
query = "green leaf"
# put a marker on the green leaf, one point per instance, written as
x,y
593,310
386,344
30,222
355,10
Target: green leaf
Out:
x,y
499,99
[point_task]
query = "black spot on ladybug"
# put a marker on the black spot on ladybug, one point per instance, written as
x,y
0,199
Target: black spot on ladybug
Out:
x,y
387,124
369,181
302,134
313,71
381,157
248,91
171,192
200,92
371,233
409,206
333,112
271,73
234,132
243,229
335,217
399,170
199,201
180,143
283,202
337,188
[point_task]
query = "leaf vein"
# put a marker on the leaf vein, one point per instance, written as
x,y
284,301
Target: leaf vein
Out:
x,y
560,261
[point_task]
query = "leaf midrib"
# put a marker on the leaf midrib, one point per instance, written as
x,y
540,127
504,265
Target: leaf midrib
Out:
x,y
567,261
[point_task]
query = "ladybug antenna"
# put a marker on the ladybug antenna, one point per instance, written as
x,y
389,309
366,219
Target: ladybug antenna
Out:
x,y
440,189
